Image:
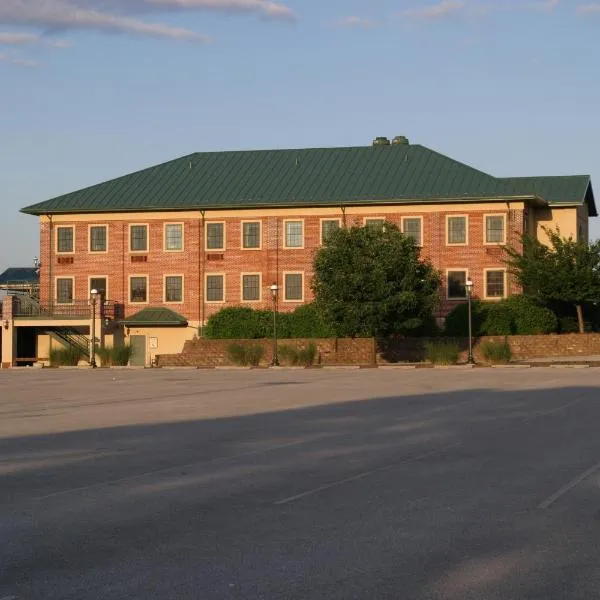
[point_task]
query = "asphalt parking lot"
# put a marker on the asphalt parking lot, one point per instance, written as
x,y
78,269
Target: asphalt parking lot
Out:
x,y
310,484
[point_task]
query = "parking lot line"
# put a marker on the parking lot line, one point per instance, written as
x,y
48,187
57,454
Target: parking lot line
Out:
x,y
568,487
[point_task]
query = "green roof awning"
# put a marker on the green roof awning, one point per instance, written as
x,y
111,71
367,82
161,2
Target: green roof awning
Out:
x,y
155,317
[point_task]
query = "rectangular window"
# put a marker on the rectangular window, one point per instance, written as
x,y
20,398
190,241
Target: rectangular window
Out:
x,y
173,288
138,289
174,236
328,226
64,290
457,288
64,239
98,238
98,284
215,236
251,235
411,227
375,223
457,230
250,288
294,234
494,229
294,286
214,288
138,238
494,283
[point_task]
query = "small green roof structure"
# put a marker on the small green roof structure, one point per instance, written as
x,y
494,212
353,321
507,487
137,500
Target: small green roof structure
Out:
x,y
155,317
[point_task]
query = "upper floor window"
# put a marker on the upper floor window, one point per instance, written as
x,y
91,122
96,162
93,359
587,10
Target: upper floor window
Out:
x,y
173,236
173,288
494,229
495,283
457,230
328,227
64,290
138,238
215,288
100,285
294,234
98,238
294,286
251,235
251,287
138,288
379,223
412,226
65,239
457,285
215,236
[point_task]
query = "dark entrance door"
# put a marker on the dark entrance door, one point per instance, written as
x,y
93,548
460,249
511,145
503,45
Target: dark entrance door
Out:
x,y
26,346
138,350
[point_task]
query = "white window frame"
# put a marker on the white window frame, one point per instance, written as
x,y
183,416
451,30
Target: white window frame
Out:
x,y
180,224
72,228
453,270
285,274
448,242
285,222
206,248
321,221
138,275
182,288
260,234
485,284
365,219
485,240
260,291
420,219
89,248
56,301
90,277
206,276
147,226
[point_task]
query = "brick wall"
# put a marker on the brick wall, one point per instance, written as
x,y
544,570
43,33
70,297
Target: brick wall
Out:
x,y
210,353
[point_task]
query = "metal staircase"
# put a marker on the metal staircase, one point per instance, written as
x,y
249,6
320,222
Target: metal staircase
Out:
x,y
71,337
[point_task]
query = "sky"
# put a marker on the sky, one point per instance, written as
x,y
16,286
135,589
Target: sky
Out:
x,y
95,89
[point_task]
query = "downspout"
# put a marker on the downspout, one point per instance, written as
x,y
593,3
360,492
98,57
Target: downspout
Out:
x,y
201,269
509,234
50,243
343,209
277,264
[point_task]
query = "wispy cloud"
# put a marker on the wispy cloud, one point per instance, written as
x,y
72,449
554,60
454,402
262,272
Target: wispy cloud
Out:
x,y
16,38
435,11
545,5
586,9
6,57
354,21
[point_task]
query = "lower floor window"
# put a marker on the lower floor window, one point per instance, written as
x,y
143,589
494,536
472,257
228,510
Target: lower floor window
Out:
x,y
138,289
457,288
174,288
494,283
294,286
64,290
214,288
250,288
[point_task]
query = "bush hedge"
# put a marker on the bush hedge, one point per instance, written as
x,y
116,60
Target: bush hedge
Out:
x,y
497,352
442,352
245,354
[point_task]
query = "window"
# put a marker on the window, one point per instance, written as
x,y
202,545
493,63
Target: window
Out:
x,y
411,227
98,284
250,288
375,223
251,235
98,238
138,241
457,230
215,236
214,288
64,290
457,288
138,289
494,229
328,226
294,286
494,283
173,288
294,234
174,236
64,239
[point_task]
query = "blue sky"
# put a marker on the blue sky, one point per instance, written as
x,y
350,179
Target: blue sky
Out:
x,y
93,89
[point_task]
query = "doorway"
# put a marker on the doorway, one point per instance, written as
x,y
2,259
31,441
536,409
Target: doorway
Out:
x,y
138,350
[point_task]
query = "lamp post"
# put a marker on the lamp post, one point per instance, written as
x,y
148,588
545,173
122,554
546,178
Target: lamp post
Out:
x,y
93,299
274,290
469,288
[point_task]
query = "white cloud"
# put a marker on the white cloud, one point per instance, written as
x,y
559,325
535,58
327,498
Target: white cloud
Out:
x,y
17,38
435,11
354,21
586,9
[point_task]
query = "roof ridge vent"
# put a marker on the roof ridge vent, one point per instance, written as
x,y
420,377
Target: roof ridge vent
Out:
x,y
381,141
400,140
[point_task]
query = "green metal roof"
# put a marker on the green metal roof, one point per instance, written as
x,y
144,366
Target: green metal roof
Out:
x,y
294,178
153,317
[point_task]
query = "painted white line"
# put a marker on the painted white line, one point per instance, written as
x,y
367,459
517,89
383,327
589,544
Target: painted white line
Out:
x,y
333,484
568,487
553,411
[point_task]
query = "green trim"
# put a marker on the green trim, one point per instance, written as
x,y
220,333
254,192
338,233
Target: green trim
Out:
x,y
155,317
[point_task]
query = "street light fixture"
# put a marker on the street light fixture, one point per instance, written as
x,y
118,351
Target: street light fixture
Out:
x,y
274,291
469,289
93,298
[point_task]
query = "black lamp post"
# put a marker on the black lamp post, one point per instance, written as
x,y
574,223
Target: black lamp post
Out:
x,y
274,290
93,298
469,288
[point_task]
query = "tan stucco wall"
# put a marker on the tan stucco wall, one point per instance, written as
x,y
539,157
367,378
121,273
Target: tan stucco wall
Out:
x,y
566,219
169,340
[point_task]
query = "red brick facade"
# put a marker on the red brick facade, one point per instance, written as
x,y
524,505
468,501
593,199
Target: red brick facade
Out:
x,y
272,260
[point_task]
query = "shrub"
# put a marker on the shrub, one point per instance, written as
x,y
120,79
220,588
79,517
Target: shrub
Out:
x,y
308,355
529,317
120,355
245,354
288,354
68,356
497,352
442,352
499,320
457,321
104,354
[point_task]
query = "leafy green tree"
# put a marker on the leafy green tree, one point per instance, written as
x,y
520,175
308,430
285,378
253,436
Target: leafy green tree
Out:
x,y
371,281
566,270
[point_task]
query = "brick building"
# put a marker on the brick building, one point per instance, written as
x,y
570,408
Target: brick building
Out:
x,y
170,245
